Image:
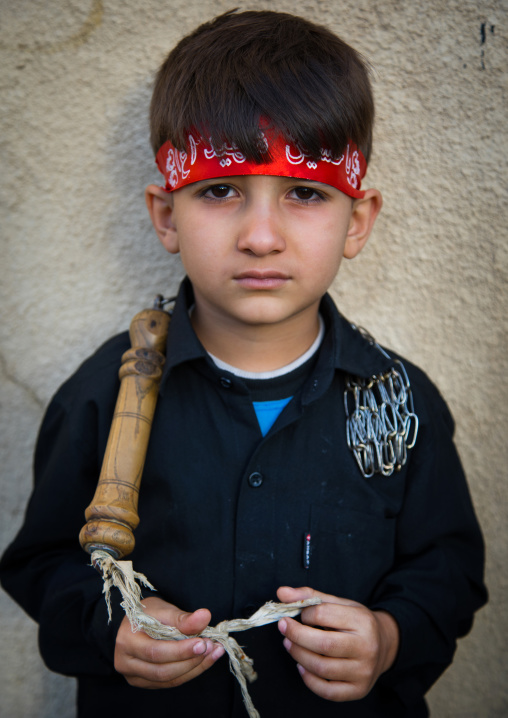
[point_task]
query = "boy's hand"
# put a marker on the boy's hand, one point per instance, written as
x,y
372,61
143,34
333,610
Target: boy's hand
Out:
x,y
342,648
148,663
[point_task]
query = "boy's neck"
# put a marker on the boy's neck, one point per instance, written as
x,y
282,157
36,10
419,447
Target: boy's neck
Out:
x,y
258,347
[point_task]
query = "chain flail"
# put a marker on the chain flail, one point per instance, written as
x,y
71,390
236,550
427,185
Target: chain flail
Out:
x,y
381,424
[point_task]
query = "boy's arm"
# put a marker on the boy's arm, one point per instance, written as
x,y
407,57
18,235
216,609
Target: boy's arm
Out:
x,y
44,569
49,575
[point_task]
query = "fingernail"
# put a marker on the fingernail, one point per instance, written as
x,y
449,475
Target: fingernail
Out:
x,y
218,652
199,648
287,644
301,669
283,626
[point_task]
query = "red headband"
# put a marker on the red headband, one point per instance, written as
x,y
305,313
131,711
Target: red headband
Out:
x,y
202,161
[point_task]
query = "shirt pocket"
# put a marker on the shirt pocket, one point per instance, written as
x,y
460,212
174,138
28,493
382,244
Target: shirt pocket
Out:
x,y
350,551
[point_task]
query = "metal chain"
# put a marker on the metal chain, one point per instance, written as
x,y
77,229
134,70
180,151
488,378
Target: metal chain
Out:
x,y
381,424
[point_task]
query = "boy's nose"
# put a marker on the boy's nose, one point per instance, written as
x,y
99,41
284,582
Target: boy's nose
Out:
x,y
260,232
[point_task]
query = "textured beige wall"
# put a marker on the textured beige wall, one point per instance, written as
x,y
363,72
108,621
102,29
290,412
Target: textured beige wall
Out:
x,y
79,256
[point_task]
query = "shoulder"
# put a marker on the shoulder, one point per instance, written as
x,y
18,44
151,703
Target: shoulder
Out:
x,y
78,418
96,379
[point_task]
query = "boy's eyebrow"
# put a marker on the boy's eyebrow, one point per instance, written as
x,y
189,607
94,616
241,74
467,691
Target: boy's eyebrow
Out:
x,y
234,178
307,181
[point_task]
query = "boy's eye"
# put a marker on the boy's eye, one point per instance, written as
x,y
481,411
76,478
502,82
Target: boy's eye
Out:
x,y
218,191
305,194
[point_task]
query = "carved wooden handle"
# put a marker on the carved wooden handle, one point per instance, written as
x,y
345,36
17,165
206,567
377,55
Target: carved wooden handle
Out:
x,y
113,514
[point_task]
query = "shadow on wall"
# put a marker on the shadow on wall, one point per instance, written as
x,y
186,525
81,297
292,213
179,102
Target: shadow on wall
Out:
x,y
144,267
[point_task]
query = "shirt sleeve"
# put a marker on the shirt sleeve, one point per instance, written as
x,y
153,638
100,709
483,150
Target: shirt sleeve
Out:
x,y
44,569
436,584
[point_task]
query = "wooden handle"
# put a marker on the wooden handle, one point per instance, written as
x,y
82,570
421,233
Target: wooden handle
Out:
x,y
113,514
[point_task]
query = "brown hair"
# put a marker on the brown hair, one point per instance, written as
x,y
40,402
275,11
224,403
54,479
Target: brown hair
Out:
x,y
223,77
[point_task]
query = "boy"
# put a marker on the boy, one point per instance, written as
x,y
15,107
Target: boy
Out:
x,y
285,450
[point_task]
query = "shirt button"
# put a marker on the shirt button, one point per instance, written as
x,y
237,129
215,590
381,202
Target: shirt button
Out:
x,y
225,382
255,479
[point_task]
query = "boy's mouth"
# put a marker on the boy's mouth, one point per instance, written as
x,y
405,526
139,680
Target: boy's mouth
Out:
x,y
262,279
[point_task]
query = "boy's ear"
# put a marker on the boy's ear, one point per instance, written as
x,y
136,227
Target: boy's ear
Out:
x,y
160,208
363,216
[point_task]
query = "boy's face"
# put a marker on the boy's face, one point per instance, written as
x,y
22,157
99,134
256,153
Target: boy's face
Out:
x,y
259,249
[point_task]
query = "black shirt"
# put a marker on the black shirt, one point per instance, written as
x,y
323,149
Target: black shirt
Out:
x,y
223,515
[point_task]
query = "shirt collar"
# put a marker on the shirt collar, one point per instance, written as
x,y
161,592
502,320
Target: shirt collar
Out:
x,y
351,351
344,347
182,343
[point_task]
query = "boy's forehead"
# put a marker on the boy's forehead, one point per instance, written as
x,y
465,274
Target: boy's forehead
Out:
x,y
201,160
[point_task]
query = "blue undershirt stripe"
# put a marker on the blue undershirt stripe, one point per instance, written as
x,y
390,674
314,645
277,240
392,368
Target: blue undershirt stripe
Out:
x,y
268,411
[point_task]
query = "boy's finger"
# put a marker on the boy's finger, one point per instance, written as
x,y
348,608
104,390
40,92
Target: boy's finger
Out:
x,y
158,672
139,646
287,594
192,623
339,617
188,623
330,690
206,663
142,674
150,650
326,667
326,643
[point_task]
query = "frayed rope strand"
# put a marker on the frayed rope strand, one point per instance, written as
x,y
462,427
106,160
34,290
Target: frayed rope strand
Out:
x,y
122,575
